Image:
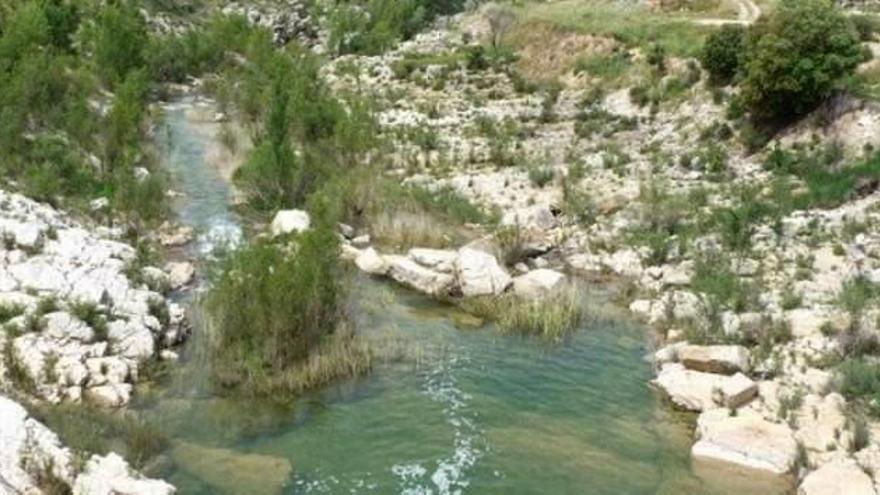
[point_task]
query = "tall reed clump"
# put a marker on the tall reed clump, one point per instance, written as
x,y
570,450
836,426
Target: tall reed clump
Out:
x,y
552,317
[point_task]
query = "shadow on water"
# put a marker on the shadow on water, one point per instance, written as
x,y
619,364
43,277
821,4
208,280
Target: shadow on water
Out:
x,y
477,412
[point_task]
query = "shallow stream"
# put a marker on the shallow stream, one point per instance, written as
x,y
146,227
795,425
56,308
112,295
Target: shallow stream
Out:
x,y
474,412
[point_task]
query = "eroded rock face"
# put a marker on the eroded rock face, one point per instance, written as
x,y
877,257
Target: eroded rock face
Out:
x,y
836,478
746,440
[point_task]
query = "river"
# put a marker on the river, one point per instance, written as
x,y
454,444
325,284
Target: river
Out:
x,y
474,412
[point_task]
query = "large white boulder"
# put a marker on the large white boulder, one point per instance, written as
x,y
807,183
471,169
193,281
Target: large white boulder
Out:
x,y
180,273
111,475
838,477
745,439
369,261
289,221
479,273
538,284
413,275
724,359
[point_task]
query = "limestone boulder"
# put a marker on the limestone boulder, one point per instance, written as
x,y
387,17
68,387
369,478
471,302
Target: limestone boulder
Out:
x,y
290,221
746,440
838,477
369,261
180,274
480,274
415,276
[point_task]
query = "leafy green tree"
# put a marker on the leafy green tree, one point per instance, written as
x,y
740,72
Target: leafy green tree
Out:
x,y
796,56
721,53
119,40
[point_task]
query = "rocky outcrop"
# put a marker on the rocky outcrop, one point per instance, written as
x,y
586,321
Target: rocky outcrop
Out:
x,y
82,313
31,452
233,472
746,440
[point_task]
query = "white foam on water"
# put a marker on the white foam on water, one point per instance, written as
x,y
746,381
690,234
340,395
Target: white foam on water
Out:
x,y
450,475
445,476
223,233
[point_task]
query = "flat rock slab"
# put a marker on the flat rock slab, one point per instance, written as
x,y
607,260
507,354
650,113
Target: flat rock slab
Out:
x,y
725,359
745,440
698,391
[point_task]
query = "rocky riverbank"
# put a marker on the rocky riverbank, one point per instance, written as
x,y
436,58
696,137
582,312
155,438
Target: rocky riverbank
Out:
x,y
759,369
84,317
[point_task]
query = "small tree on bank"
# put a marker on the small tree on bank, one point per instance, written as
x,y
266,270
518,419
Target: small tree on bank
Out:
x,y
795,58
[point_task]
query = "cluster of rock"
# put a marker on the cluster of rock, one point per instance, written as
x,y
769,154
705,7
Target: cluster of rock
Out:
x,y
470,271
32,456
81,315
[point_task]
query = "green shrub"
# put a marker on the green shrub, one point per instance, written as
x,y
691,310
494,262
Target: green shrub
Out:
x,y
721,53
860,381
795,56
271,306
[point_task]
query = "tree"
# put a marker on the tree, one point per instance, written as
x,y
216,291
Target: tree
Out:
x,y
500,21
721,52
795,58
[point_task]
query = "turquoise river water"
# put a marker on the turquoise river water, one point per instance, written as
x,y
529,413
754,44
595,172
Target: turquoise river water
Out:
x,y
473,413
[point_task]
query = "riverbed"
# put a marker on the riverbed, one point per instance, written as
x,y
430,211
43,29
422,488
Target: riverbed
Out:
x,y
468,411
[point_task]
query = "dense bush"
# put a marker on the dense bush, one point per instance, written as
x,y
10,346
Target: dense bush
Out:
x,y
56,146
795,57
271,306
721,53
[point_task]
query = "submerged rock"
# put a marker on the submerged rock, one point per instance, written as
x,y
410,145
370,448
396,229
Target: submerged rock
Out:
x,y
232,472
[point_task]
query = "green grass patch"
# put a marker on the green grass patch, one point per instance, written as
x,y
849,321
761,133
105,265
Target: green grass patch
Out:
x,y
552,318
